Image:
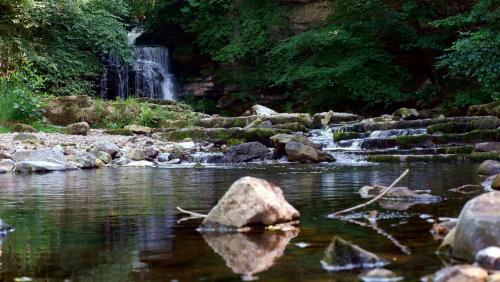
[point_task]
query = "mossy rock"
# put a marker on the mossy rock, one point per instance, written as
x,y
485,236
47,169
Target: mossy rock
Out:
x,y
20,127
293,126
483,156
119,131
409,141
456,150
463,127
474,136
234,142
490,109
338,136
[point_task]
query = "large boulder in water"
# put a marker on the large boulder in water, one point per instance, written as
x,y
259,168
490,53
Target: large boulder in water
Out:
x,y
246,152
279,142
343,255
260,110
489,167
478,226
298,152
487,147
249,202
398,193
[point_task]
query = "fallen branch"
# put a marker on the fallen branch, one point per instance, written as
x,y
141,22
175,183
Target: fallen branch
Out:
x,y
192,215
333,215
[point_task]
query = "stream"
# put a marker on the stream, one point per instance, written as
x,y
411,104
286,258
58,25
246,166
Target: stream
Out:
x,y
120,224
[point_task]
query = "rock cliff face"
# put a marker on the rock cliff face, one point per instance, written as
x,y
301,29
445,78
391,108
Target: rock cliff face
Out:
x,y
304,14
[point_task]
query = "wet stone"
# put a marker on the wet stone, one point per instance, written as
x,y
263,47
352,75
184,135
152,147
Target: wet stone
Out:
x,y
343,255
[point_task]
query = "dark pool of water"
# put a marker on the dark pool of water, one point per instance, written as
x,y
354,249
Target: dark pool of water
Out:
x,y
121,224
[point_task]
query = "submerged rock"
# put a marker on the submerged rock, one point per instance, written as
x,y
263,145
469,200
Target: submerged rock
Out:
x,y
246,152
248,254
478,226
80,128
260,110
464,272
489,258
489,167
440,230
397,193
343,255
380,275
249,202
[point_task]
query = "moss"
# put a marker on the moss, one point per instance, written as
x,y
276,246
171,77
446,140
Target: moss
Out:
x,y
409,141
234,142
294,127
463,127
456,150
4,129
338,136
119,131
474,136
384,158
483,156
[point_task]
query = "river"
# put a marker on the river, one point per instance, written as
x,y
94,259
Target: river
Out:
x,y
120,224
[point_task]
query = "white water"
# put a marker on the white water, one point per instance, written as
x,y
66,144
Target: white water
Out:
x,y
148,76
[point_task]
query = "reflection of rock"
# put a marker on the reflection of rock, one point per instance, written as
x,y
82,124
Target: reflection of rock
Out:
x,y
250,202
380,274
396,205
343,255
250,253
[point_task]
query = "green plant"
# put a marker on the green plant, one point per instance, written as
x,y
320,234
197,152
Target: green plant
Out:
x,y
18,100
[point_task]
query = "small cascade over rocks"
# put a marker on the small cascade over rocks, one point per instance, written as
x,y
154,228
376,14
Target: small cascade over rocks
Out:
x,y
147,76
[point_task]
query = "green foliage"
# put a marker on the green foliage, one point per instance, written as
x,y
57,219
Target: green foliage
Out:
x,y
18,99
64,40
200,104
475,56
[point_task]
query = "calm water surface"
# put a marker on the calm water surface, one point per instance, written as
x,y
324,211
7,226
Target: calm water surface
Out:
x,y
120,224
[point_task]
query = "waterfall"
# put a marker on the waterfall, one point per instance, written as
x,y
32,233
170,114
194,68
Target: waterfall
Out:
x,y
147,76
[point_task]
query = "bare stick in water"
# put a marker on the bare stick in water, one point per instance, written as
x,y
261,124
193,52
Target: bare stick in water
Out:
x,y
192,214
374,199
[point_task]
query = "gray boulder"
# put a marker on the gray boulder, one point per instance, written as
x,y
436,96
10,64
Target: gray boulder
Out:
x,y
105,146
343,255
249,202
164,157
478,226
45,154
26,137
495,183
104,157
135,154
298,152
79,128
85,160
246,152
42,166
279,142
489,167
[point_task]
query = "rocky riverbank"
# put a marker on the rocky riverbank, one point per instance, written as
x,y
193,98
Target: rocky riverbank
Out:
x,y
175,134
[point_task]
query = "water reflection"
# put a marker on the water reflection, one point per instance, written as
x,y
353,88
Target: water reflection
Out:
x,y
250,253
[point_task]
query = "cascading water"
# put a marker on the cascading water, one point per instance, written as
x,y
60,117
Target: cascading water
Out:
x,y
148,75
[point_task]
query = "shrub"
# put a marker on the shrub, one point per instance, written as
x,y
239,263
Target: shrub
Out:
x,y
18,98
